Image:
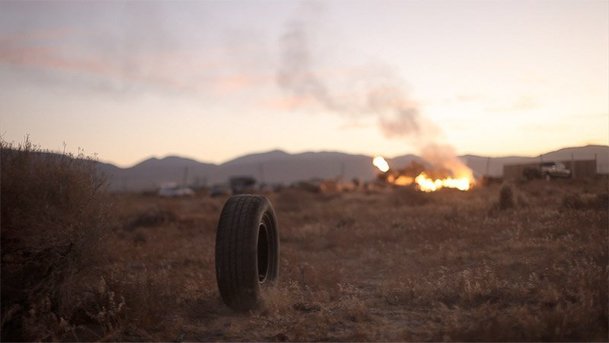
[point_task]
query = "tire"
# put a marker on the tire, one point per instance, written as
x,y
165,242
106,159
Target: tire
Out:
x,y
247,250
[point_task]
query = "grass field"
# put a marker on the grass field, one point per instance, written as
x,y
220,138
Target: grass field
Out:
x,y
392,265
517,262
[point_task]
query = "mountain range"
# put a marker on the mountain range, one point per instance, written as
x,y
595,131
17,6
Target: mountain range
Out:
x,y
278,166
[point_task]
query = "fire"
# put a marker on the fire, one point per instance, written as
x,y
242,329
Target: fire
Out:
x,y
380,163
463,179
401,180
428,184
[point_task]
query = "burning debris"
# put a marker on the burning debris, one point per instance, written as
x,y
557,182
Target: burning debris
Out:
x,y
381,164
425,179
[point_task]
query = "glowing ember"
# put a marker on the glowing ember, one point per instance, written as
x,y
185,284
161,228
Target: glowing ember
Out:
x,y
403,180
380,163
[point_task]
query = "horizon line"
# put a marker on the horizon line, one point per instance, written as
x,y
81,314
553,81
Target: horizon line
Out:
x,y
331,151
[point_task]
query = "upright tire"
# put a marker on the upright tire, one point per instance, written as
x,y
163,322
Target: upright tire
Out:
x,y
247,250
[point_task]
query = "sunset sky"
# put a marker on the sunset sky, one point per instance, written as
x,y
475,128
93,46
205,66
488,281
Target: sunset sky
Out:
x,y
212,80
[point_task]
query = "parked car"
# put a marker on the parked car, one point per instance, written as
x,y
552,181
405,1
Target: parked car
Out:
x,y
550,170
219,189
173,190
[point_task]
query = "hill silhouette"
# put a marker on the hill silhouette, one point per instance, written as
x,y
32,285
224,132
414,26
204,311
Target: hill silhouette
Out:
x,y
278,166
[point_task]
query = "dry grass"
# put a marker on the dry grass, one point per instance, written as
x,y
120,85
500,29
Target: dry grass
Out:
x,y
393,265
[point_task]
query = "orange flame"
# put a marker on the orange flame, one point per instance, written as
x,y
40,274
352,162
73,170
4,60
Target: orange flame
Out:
x,y
428,184
463,181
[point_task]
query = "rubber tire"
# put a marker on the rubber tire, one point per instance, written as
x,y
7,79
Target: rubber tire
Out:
x,y
247,229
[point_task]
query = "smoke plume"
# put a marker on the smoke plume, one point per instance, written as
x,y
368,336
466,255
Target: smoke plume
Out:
x,y
296,74
380,95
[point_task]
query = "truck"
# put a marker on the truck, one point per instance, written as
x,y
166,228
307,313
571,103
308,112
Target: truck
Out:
x,y
548,171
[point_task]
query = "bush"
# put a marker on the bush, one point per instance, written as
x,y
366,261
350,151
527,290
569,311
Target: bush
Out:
x,y
506,197
53,216
575,201
531,173
409,196
150,218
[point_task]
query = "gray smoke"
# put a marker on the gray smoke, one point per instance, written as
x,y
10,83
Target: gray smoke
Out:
x,y
381,97
296,74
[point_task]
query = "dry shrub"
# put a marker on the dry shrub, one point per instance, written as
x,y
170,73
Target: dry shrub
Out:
x,y
576,201
602,201
538,310
150,218
281,297
293,200
53,217
409,196
466,288
351,305
573,201
506,197
150,294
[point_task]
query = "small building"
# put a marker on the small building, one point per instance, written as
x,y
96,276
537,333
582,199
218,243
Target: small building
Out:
x,y
580,169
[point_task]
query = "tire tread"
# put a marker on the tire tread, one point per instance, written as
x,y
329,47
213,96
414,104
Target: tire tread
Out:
x,y
236,249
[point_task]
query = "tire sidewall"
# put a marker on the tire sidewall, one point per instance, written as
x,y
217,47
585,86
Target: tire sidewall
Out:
x,y
266,210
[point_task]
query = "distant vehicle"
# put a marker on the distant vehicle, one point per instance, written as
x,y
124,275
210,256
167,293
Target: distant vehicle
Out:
x,y
242,184
550,170
172,190
219,189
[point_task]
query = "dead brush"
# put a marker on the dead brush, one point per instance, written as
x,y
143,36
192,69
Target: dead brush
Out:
x,y
92,312
149,294
577,201
293,200
409,196
506,198
557,315
282,297
150,218
54,216
351,305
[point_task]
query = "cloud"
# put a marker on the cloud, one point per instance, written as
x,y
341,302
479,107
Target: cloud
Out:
x,y
288,103
36,35
128,49
469,97
354,125
520,104
48,59
165,71
234,82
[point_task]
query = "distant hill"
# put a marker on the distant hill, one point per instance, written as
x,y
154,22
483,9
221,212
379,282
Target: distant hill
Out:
x,y
272,167
278,166
153,172
258,157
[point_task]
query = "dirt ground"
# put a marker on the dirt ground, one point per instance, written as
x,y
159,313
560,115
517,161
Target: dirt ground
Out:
x,y
390,265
